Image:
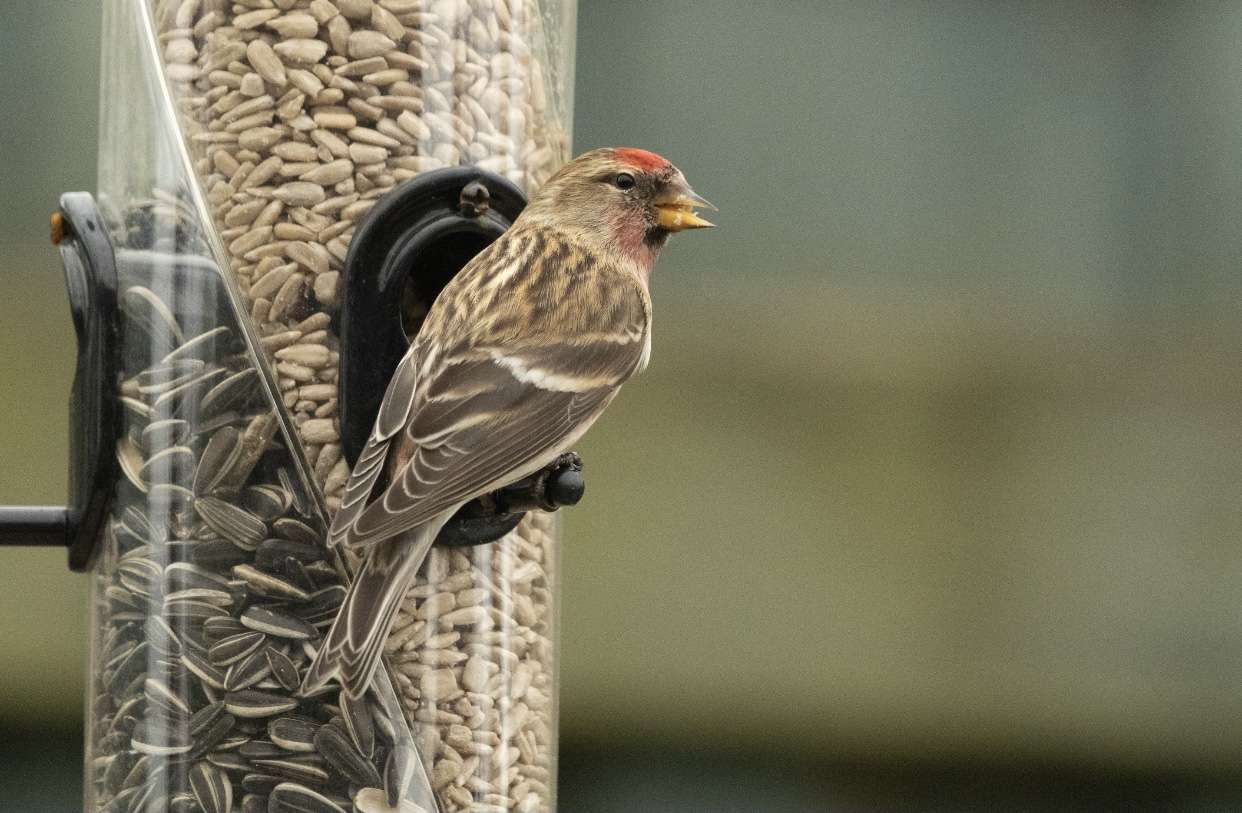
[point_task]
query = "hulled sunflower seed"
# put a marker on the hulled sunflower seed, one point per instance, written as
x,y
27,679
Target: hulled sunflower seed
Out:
x,y
374,800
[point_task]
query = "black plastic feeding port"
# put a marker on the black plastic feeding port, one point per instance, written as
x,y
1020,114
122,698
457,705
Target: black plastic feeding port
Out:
x,y
403,253
90,276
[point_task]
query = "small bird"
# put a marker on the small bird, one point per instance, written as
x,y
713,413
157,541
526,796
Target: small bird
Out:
x,y
517,358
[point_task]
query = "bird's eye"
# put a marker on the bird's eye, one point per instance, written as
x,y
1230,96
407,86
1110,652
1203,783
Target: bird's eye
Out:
x,y
625,180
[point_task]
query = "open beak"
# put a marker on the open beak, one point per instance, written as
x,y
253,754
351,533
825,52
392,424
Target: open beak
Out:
x,y
676,210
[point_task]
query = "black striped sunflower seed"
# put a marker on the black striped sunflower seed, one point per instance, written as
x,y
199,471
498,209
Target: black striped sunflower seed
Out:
x,y
293,733
307,768
398,771
254,803
251,703
283,669
214,734
221,627
290,797
260,784
359,721
272,553
232,522
156,739
229,761
203,669
159,694
247,672
234,648
265,585
340,752
212,788
277,624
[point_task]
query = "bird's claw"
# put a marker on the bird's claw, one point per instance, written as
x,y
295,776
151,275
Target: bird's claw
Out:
x,y
491,516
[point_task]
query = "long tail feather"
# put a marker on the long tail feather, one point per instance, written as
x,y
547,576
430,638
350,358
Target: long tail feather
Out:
x,y
351,651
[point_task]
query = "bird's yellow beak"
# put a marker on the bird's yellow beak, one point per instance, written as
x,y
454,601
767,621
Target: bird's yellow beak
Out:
x,y
676,210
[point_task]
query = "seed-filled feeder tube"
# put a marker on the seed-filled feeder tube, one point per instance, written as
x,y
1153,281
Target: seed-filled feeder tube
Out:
x,y
243,146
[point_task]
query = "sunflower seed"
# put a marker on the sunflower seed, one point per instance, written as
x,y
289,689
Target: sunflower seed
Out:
x,y
343,756
283,669
152,316
296,531
201,667
171,465
204,346
137,410
130,457
183,400
212,788
228,760
205,717
266,502
164,433
260,783
234,392
232,649
290,797
374,800
279,625
268,586
219,628
220,454
207,553
159,694
261,749
247,672
154,739
235,524
192,610
307,768
359,720
206,595
213,734
293,733
183,803
157,380
251,703
141,576
254,803
272,553
187,575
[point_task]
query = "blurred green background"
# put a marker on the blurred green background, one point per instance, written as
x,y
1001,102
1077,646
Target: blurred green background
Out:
x,y
930,498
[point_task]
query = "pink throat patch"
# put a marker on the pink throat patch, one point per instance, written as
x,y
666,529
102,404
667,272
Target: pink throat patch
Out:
x,y
641,159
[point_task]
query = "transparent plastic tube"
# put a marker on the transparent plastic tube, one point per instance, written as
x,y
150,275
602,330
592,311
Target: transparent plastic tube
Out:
x,y
241,143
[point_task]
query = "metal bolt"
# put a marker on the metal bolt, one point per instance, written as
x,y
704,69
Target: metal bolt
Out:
x,y
475,199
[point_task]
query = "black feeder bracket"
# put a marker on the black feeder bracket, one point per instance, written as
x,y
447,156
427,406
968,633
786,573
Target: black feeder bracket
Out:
x,y
406,249
79,231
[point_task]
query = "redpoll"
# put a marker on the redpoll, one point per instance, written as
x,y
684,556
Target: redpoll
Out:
x,y
518,356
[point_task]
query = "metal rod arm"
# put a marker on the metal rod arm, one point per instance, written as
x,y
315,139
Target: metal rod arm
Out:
x,y
34,525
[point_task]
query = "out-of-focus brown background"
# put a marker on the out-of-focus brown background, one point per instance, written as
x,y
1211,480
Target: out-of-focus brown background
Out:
x,y
930,499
